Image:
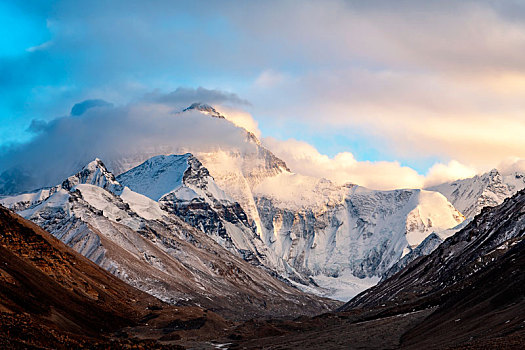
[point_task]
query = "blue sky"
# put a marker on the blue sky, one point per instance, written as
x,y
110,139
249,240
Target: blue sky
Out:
x,y
417,83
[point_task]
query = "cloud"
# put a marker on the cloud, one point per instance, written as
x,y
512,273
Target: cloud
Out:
x,y
511,166
116,135
37,125
269,78
81,107
440,173
183,97
240,118
415,79
305,159
411,115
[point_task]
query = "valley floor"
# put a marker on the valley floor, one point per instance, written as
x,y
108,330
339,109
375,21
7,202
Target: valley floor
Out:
x,y
350,331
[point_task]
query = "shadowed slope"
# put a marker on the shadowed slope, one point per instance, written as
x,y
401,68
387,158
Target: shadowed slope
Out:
x,y
51,296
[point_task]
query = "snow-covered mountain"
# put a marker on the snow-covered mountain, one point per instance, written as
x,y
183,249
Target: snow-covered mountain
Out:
x,y
424,248
131,236
183,187
470,195
329,239
346,237
235,169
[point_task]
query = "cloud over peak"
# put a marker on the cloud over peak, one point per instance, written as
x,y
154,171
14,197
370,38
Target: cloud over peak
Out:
x,y
183,97
65,144
81,107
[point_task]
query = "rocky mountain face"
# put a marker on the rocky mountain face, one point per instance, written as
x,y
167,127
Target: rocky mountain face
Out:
x,y
183,187
424,248
471,195
132,237
345,237
469,293
340,238
467,253
331,240
474,280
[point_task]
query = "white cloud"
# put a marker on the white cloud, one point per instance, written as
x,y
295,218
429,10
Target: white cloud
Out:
x,y
454,170
65,144
305,159
240,118
474,120
270,78
512,165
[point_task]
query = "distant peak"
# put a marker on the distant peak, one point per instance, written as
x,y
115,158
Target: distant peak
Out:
x,y
93,173
493,173
95,163
203,107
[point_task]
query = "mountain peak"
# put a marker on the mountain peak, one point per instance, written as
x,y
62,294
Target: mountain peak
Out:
x,y
156,176
94,173
493,172
203,107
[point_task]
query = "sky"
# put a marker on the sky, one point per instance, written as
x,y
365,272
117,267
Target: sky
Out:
x,y
380,93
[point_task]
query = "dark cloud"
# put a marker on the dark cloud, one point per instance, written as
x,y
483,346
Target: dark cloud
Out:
x,y
183,97
37,125
82,107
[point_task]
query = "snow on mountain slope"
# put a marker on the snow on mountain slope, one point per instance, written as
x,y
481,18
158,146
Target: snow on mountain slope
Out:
x,y
161,254
142,205
94,173
323,230
156,176
438,213
182,186
426,247
473,286
470,195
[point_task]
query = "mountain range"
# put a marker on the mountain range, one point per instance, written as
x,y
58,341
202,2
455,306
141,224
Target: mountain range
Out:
x,y
235,232
324,238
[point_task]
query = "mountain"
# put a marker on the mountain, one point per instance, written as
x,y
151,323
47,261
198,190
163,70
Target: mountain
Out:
x,y
474,282
52,297
471,195
330,240
184,187
326,243
236,167
346,237
129,235
424,248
